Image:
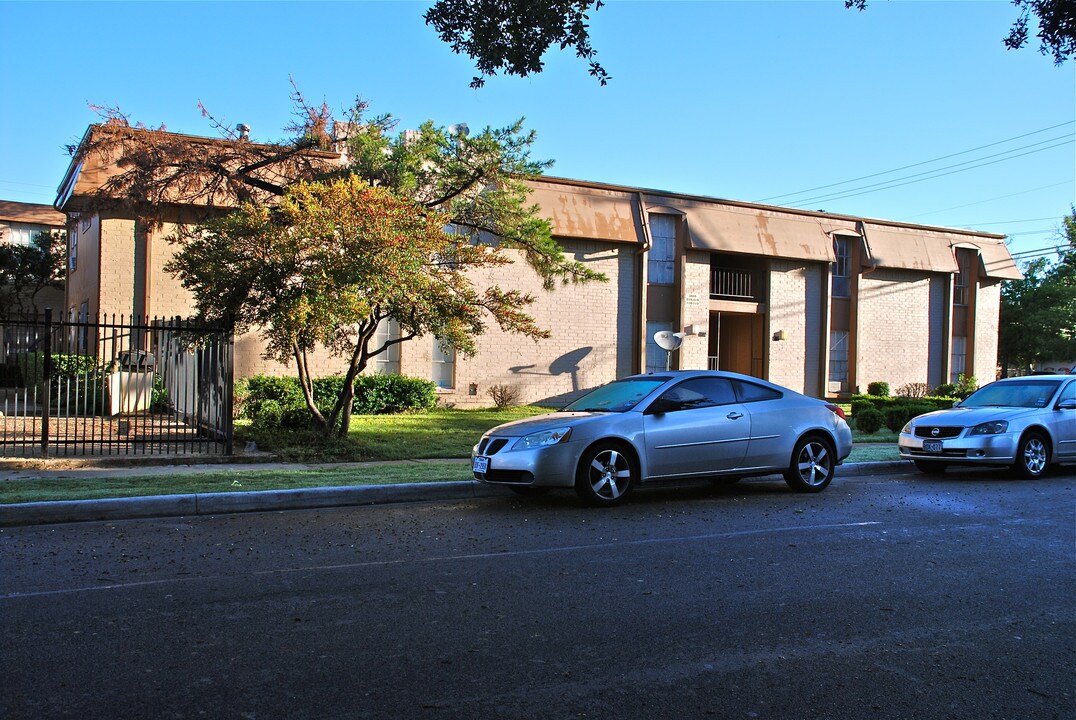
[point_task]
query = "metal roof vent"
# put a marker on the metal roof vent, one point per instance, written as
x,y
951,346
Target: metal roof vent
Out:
x,y
244,131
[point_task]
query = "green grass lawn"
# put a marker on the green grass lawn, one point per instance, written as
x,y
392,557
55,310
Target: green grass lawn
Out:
x,y
439,434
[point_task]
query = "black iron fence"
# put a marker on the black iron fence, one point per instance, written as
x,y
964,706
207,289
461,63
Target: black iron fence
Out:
x,y
114,386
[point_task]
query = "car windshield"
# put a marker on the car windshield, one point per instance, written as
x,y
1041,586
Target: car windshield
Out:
x,y
1023,394
619,396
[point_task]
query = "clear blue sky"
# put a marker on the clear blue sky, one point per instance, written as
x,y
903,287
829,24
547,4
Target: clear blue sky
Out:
x,y
747,101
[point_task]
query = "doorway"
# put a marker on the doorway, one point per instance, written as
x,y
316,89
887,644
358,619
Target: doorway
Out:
x,y
736,343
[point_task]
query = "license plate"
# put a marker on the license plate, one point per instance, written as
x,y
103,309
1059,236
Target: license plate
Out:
x,y
932,446
480,465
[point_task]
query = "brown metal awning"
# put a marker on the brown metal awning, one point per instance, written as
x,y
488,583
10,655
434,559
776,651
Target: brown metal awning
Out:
x,y
910,249
592,213
996,261
757,232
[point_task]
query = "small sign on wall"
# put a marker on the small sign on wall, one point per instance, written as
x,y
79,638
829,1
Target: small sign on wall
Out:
x,y
693,299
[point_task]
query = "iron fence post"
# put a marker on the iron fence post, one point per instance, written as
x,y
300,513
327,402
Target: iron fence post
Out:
x,y
46,408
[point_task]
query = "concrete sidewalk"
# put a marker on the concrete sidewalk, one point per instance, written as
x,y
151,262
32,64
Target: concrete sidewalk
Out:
x,y
40,513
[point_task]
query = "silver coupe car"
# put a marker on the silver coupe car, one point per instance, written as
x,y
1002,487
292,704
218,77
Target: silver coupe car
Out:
x,y
1025,423
663,426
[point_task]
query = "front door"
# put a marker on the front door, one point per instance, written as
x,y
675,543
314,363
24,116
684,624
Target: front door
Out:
x,y
736,343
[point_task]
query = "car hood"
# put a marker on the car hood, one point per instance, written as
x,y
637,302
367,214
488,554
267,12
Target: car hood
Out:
x,y
518,428
970,417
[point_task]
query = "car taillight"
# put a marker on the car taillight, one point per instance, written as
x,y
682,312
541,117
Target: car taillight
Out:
x,y
837,410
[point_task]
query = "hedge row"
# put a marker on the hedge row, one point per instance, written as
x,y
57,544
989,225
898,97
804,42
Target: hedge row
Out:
x,y
871,412
278,401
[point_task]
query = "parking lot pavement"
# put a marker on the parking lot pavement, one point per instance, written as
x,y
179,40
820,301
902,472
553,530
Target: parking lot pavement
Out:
x,y
40,513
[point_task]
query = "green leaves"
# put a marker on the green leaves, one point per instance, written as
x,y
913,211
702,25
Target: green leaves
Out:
x,y
1038,313
512,35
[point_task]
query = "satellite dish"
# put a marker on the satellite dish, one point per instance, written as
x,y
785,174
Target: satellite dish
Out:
x,y
668,340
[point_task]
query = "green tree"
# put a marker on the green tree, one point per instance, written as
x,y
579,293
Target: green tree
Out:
x,y
512,35
26,270
316,239
1038,313
1056,20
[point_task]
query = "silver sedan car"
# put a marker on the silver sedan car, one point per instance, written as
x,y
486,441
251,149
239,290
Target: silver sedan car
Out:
x,y
1025,423
662,426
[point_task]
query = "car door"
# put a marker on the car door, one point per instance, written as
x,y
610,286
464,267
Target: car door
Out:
x,y
1064,422
772,421
695,428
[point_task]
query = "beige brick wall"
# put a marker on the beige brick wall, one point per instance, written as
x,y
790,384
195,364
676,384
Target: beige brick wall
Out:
x,y
81,285
117,269
591,342
168,297
893,328
695,310
789,281
987,321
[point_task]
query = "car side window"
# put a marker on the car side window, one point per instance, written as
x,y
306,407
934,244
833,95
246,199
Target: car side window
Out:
x,y
694,394
750,392
1069,392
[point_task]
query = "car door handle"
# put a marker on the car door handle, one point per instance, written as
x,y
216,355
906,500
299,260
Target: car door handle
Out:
x,y
734,416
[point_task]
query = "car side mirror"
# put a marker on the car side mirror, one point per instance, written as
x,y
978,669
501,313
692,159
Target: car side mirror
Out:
x,y
1067,404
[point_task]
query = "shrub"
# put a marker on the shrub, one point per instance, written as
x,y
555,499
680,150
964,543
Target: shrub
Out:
x,y
504,396
378,394
946,390
966,385
278,401
897,415
869,420
878,389
913,390
269,414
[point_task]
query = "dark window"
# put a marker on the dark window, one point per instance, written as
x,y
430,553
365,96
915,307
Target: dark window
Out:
x,y
842,279
695,394
749,392
963,278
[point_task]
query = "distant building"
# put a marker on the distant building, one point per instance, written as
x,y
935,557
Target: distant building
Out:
x,y
19,223
823,304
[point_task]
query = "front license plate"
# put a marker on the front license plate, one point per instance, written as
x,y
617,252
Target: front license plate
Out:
x,y
480,465
932,446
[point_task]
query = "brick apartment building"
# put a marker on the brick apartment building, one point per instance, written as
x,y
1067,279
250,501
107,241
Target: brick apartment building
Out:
x,y
19,223
821,303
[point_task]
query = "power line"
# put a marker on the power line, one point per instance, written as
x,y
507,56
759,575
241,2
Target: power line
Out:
x,y
988,200
1005,222
924,162
888,185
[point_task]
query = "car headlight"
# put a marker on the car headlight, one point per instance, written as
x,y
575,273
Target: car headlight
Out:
x,y
542,439
995,427
907,427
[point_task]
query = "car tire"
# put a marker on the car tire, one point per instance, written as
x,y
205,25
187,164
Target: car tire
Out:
x,y
606,475
1032,456
527,491
930,467
812,465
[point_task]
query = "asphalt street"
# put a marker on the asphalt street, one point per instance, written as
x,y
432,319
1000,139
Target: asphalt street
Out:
x,y
886,596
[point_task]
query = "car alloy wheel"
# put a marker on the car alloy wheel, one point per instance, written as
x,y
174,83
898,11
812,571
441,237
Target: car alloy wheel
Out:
x,y
812,466
606,475
1032,456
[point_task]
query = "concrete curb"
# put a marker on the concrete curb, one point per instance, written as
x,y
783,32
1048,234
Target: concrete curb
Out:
x,y
41,513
